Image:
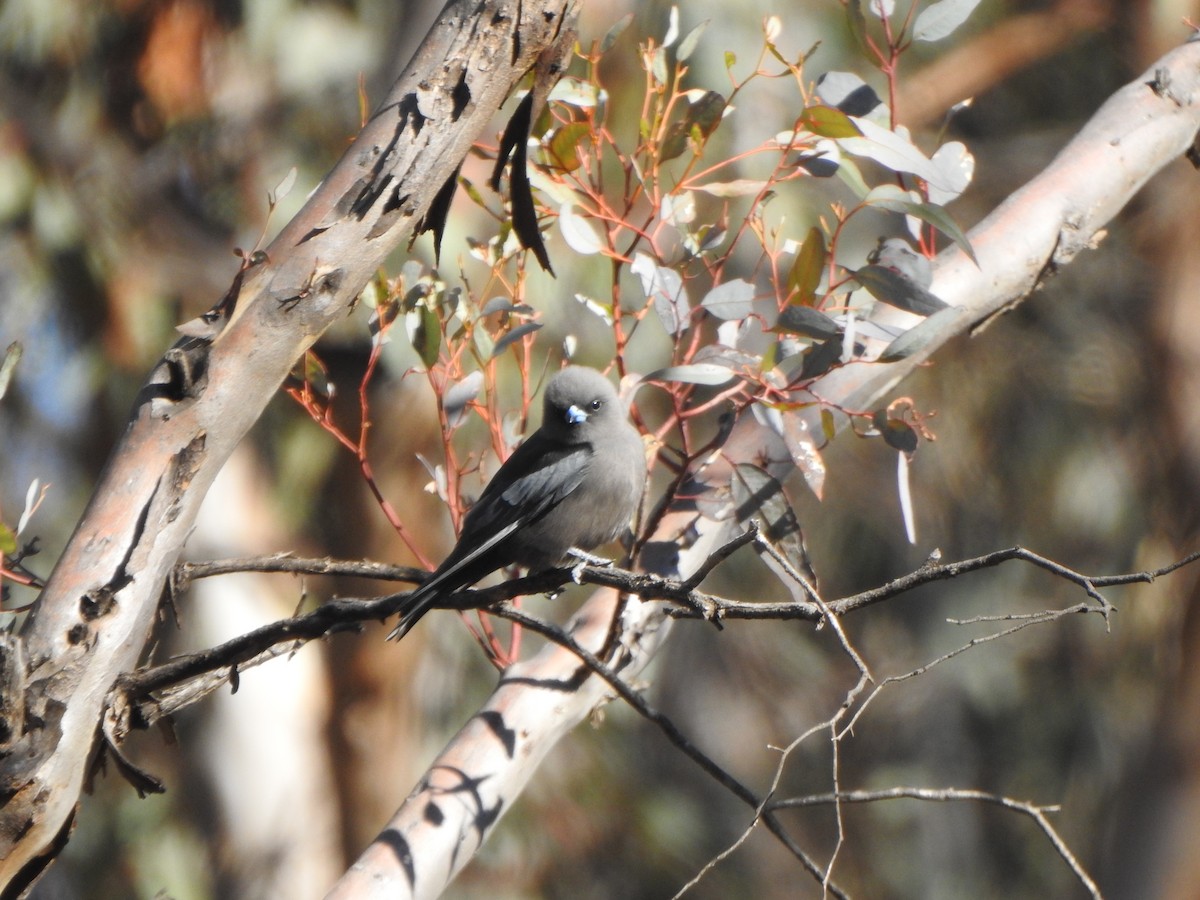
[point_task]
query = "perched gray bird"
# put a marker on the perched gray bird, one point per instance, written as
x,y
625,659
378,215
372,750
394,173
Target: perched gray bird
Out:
x,y
574,484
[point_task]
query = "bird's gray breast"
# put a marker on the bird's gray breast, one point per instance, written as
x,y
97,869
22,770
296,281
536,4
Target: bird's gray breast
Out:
x,y
594,513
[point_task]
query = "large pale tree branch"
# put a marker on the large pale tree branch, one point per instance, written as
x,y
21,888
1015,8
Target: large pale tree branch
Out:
x,y
92,621
1145,126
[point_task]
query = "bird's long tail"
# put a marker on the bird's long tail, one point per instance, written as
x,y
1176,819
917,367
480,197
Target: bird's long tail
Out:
x,y
415,605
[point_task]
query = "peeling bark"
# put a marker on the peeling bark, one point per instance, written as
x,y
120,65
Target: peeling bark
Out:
x,y
93,619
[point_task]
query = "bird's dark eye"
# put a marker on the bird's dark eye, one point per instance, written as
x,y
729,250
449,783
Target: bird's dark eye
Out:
x,y
596,404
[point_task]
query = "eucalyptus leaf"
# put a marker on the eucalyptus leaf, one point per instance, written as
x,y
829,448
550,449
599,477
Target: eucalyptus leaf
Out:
x,y
664,287
515,335
820,358
941,19
580,234
957,165
920,336
896,433
742,187
807,321
564,146
758,495
847,92
708,374
896,199
498,304
805,274
427,336
12,356
899,291
732,300
892,151
706,112
459,395
828,122
615,32
577,92
688,45
284,187
8,540
802,448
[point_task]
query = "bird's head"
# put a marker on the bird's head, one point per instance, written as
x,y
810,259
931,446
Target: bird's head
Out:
x,y
577,402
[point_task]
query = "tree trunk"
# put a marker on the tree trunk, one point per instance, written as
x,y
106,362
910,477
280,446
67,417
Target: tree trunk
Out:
x,y
92,621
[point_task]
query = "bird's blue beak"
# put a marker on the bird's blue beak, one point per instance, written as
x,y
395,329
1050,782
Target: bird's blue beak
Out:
x,y
575,415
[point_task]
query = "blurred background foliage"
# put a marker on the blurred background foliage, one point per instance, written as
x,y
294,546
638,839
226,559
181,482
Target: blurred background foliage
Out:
x,y
138,141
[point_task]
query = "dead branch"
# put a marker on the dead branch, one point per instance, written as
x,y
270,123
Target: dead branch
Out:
x,y
143,697
947,795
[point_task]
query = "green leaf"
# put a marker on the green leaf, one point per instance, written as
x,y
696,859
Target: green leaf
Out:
x,y
459,395
807,267
825,121
706,112
858,24
8,540
828,424
741,187
564,146
704,115
283,188
892,197
675,142
820,358
957,165
428,336
851,175
770,358
896,290
807,321
891,150
664,288
897,433
473,193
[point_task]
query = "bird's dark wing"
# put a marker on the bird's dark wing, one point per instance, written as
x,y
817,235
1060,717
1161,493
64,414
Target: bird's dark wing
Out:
x,y
532,482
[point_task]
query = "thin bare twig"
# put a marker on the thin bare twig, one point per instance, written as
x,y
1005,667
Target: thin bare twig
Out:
x,y
345,614
148,695
1035,812
1049,615
673,734
188,572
